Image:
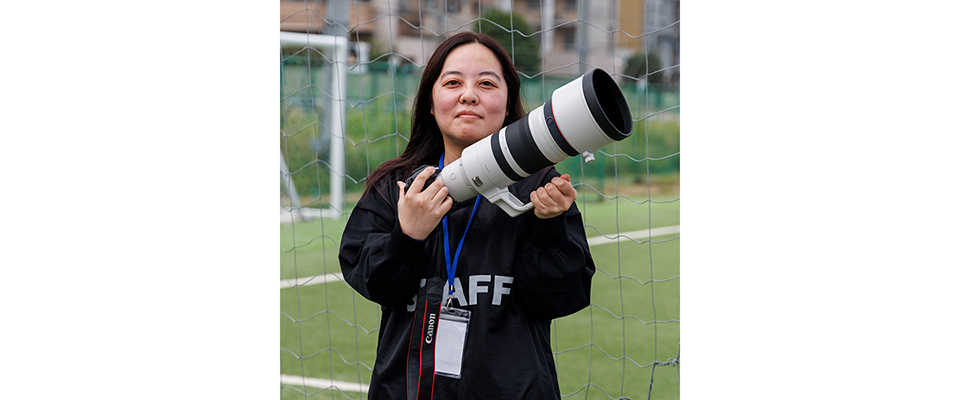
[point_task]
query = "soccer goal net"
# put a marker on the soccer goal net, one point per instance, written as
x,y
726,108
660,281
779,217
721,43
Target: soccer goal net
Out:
x,y
349,71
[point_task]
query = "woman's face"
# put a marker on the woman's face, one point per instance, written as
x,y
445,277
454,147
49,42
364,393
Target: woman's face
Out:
x,y
469,97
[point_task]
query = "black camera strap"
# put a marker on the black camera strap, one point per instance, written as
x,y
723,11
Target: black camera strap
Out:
x,y
420,357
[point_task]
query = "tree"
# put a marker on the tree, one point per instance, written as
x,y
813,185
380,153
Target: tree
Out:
x,y
637,67
525,51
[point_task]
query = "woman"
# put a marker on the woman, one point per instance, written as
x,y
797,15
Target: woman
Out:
x,y
516,274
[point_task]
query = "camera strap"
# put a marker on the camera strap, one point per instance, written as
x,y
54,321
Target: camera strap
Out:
x,y
420,356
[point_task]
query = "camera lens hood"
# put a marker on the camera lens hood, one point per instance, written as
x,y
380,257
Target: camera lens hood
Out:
x,y
607,104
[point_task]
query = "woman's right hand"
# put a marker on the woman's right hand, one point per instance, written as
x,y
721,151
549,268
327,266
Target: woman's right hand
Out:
x,y
419,211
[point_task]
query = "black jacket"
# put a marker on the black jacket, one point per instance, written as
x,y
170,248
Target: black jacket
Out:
x,y
516,274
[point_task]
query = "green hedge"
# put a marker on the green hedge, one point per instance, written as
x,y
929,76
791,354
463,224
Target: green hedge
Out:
x,y
375,133
653,148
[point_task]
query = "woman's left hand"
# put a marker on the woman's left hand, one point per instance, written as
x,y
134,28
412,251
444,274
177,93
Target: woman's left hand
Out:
x,y
554,198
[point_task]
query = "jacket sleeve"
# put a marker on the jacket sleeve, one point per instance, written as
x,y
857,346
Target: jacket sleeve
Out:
x,y
554,268
378,260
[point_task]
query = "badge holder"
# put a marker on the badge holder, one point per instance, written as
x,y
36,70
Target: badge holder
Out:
x,y
451,341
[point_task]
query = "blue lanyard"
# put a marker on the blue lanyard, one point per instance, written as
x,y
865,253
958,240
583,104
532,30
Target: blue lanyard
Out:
x,y
452,267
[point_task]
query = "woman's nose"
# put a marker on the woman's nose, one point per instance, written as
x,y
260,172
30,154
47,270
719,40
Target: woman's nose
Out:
x,y
468,96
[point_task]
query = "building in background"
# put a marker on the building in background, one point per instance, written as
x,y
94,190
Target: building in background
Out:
x,y
662,17
603,34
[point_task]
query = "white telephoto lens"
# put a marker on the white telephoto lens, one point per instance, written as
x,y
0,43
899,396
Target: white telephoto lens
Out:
x,y
582,116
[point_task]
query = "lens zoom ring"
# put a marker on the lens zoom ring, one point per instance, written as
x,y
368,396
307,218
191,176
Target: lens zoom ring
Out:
x,y
501,159
524,148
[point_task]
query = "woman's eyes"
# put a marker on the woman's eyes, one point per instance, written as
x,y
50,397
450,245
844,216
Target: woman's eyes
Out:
x,y
456,82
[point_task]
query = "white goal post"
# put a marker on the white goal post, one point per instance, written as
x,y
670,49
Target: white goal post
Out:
x,y
338,47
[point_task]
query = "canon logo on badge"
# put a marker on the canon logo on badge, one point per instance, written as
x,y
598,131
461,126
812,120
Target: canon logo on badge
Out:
x,y
430,323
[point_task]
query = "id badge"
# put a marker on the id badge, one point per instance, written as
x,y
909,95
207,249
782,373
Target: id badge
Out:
x,y
451,340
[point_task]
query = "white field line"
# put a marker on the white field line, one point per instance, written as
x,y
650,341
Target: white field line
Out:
x,y
310,280
323,383
635,235
288,216
593,241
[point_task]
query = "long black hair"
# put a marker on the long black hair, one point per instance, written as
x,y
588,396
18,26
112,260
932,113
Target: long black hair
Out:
x,y
426,141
